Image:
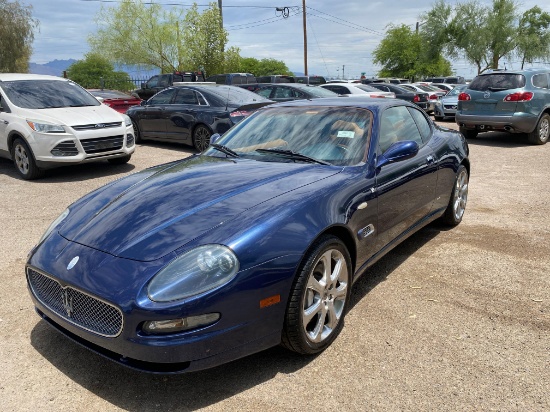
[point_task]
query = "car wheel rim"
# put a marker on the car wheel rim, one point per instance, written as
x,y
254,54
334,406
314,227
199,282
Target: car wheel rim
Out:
x,y
325,296
21,159
460,194
202,138
544,130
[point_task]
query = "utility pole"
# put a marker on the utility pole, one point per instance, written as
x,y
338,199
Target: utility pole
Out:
x,y
343,73
221,13
305,36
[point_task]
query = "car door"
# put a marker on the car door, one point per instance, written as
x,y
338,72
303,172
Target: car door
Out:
x,y
405,189
181,115
5,118
152,116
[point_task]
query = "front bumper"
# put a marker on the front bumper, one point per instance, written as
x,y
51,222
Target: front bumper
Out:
x,y
244,327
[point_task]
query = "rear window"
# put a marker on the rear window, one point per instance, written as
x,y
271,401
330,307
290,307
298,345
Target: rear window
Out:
x,y
497,81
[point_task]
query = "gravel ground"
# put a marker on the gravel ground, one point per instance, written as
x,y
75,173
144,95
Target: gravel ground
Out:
x,y
450,320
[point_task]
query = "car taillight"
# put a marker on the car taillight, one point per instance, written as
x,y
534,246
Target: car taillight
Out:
x,y
433,96
240,113
416,98
464,97
519,97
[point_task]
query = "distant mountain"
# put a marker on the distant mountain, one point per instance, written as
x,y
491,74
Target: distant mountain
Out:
x,y
53,68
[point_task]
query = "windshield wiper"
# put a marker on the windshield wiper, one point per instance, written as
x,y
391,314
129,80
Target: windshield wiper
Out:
x,y
289,154
224,149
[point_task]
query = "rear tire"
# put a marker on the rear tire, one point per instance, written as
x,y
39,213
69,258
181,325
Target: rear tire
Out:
x,y
542,131
24,162
438,118
459,197
201,138
468,134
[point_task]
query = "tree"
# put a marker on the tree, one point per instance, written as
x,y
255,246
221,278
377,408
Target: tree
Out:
x,y
264,67
403,54
96,72
16,36
481,34
533,36
143,33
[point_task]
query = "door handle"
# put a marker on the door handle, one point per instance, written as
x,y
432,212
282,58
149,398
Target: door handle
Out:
x,y
430,159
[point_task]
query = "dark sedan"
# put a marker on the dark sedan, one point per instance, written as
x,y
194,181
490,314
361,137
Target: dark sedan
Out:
x,y
283,92
190,114
252,243
420,99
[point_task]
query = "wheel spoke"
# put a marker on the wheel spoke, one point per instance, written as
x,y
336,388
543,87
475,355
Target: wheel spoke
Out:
x,y
310,312
316,334
315,285
333,317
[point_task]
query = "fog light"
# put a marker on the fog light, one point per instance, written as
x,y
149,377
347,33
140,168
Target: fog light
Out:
x,y
157,327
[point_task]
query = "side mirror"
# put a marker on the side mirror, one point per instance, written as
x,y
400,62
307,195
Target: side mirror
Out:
x,y
214,138
143,103
100,99
398,152
143,85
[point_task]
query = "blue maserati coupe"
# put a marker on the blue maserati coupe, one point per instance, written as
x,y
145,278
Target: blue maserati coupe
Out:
x,y
254,242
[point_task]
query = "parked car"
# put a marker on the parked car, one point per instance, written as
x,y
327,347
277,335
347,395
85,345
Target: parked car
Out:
x,y
283,92
161,81
279,78
232,78
356,89
253,243
314,80
418,98
47,121
447,79
190,114
446,106
446,87
434,94
115,99
514,101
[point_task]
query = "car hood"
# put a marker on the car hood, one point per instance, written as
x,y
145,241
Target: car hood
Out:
x,y
74,116
152,213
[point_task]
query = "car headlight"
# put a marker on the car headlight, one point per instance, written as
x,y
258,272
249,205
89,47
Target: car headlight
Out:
x,y
127,120
45,127
196,271
54,224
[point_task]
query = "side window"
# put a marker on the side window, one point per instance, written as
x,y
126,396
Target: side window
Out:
x,y
164,80
220,79
186,96
338,89
541,80
265,92
283,93
298,94
237,79
163,97
423,124
202,100
153,82
397,125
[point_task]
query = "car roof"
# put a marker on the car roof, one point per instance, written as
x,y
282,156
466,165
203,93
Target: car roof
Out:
x,y
6,77
359,101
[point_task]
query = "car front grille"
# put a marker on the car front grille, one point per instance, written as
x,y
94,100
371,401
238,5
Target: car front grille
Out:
x,y
74,306
102,144
96,126
450,107
67,148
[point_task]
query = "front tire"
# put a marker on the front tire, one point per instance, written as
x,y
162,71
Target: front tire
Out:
x,y
137,133
542,131
24,162
459,197
120,160
319,298
201,138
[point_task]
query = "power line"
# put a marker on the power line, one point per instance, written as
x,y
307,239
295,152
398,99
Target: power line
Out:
x,y
339,20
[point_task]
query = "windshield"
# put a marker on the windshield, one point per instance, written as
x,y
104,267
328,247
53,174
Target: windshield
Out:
x,y
234,94
47,94
337,135
320,92
456,91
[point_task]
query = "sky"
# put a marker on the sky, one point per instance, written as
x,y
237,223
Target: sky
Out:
x,y
341,35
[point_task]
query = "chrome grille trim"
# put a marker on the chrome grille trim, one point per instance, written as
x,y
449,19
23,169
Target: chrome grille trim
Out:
x,y
97,126
74,306
102,144
67,148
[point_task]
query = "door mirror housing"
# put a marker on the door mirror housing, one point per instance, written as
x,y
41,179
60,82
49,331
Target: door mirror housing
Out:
x,y
214,138
398,152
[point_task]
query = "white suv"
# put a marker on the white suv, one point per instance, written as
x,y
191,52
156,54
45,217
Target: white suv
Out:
x,y
47,121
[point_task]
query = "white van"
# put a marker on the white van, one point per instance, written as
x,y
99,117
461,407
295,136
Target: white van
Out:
x,y
48,121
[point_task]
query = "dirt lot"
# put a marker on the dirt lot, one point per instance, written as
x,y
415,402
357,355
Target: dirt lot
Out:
x,y
451,320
